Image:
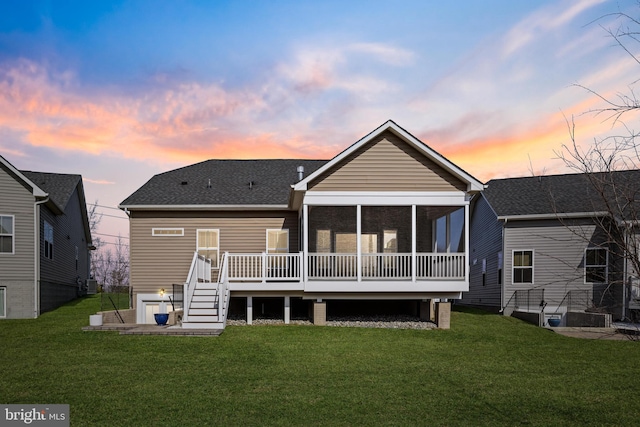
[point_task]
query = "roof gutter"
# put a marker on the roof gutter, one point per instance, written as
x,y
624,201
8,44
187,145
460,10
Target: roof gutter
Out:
x,y
568,215
202,207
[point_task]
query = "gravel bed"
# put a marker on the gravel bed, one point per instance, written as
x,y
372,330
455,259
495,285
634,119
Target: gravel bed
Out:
x,y
391,322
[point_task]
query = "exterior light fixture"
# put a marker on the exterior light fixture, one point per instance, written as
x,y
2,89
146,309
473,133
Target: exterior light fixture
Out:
x,y
162,293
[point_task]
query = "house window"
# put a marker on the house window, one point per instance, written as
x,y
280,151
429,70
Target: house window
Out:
x,y
484,272
278,241
390,241
595,265
48,240
500,268
167,231
522,267
208,245
6,234
3,302
323,241
346,243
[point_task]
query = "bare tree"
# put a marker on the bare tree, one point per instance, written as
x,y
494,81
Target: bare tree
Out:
x,y
609,165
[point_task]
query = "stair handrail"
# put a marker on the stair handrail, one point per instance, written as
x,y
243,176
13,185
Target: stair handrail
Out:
x,y
223,289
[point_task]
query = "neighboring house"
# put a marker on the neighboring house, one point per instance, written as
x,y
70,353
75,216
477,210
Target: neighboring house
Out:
x,y
44,241
549,244
386,219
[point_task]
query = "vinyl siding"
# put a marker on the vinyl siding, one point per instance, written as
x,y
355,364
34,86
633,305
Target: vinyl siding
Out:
x,y
17,269
558,265
58,276
159,262
485,236
388,163
18,201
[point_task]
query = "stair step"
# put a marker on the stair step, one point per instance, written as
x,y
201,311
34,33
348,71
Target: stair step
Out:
x,y
203,325
201,319
210,292
204,298
208,285
203,304
203,311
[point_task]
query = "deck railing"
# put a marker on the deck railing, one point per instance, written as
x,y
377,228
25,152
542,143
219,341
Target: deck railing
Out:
x,y
264,267
381,266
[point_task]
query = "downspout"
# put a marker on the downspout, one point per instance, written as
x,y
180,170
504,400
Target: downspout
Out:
x,y
502,287
36,256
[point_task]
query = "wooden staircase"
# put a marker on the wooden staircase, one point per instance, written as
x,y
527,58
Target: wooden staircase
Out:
x,y
205,303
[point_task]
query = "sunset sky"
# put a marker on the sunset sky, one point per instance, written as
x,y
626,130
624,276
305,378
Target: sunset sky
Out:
x,y
121,90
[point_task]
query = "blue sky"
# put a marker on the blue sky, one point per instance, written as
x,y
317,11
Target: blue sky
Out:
x,y
121,90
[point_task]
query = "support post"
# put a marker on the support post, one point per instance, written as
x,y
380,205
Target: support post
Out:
x,y
443,315
427,311
319,312
414,232
287,310
249,310
359,241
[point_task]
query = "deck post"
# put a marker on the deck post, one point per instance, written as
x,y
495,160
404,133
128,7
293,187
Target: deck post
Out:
x,y
443,315
359,242
305,243
287,310
414,242
320,312
249,310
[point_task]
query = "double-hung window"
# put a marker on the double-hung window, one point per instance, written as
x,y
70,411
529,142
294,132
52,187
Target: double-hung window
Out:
x,y
278,241
522,267
6,234
208,245
595,265
48,240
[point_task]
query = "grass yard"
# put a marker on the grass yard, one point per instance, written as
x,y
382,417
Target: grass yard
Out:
x,y
486,370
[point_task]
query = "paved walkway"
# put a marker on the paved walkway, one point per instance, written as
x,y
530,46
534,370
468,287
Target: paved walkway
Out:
x,y
615,333
134,329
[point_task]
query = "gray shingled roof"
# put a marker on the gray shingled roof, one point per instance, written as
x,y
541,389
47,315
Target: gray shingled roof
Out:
x,y
571,193
59,186
230,183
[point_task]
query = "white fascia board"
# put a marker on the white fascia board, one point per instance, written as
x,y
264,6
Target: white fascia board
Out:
x,y
203,207
552,216
384,198
472,183
36,191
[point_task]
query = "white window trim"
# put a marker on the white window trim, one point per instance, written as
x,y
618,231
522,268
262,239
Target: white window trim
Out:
x,y
606,266
533,263
275,230
3,290
157,232
214,263
13,235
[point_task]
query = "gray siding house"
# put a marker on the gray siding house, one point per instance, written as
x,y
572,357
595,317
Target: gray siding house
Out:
x,y
552,244
385,220
44,241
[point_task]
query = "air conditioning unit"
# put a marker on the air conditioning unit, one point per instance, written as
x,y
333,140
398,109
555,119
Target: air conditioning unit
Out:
x,y
92,286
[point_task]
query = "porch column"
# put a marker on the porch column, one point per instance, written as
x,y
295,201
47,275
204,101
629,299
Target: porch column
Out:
x,y
413,242
305,242
249,310
358,241
466,242
287,310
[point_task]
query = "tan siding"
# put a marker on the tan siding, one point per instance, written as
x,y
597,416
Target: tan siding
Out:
x,y
388,163
158,262
16,200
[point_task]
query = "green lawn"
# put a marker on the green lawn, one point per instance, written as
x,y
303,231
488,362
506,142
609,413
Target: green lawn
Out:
x,y
486,370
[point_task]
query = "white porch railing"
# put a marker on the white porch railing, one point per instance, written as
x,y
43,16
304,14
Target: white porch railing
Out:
x,y
327,266
440,266
264,267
